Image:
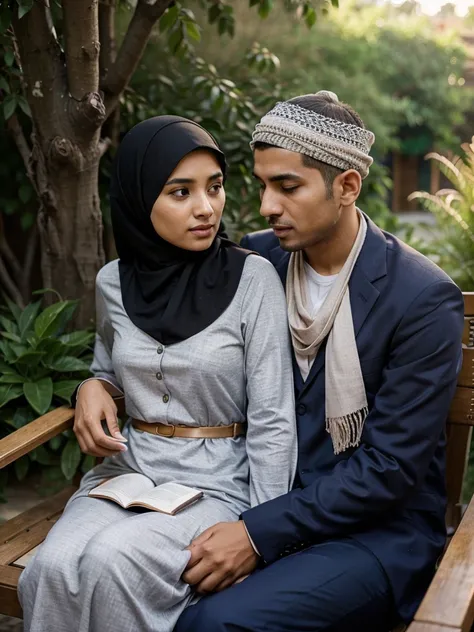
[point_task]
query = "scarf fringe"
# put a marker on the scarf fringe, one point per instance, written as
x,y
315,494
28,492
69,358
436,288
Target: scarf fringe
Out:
x,y
346,431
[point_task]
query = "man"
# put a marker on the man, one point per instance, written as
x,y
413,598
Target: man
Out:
x,y
376,330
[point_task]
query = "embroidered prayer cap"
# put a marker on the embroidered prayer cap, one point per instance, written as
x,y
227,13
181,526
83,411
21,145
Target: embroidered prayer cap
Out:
x,y
342,145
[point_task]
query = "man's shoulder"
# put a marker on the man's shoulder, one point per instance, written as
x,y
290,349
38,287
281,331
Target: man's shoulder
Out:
x,y
262,241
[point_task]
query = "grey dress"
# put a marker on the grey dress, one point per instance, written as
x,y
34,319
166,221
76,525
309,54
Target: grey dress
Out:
x,y
104,568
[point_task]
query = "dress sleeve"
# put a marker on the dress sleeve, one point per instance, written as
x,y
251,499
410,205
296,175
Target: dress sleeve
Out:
x,y
102,367
271,434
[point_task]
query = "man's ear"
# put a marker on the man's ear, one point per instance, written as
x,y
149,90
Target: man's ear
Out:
x,y
347,186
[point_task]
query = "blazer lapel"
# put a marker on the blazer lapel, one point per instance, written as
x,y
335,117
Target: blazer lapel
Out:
x,y
371,265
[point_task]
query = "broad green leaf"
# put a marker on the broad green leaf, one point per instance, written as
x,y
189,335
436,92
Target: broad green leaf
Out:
x,y
28,317
24,7
9,58
77,338
8,325
65,388
55,443
23,416
169,18
8,392
68,364
70,458
264,8
7,352
14,309
11,378
9,106
25,106
21,467
39,394
5,367
4,85
41,455
9,336
30,358
192,29
88,463
49,321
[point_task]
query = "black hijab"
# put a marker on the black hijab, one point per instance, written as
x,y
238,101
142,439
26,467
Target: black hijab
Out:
x,y
170,293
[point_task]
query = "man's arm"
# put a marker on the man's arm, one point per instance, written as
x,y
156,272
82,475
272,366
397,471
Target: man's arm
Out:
x,y
399,440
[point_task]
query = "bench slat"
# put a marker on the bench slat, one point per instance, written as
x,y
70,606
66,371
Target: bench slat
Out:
x,y
9,604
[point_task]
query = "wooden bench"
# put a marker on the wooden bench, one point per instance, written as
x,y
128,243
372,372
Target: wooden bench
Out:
x,y
449,602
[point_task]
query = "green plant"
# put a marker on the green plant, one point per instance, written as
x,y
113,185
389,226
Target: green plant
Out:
x,y
453,243
40,366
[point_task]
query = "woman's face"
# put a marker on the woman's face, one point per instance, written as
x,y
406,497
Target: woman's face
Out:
x,y
188,211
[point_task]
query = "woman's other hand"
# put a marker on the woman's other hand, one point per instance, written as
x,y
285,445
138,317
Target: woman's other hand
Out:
x,y
93,404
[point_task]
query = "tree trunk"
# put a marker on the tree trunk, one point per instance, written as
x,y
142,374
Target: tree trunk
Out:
x,y
71,235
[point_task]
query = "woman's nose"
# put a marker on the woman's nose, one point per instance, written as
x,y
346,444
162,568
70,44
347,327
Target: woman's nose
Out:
x,y
203,207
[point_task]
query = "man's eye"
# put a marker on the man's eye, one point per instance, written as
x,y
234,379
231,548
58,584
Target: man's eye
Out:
x,y
289,189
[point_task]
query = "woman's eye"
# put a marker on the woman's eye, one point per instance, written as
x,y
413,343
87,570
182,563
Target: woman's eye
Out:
x,y
216,188
180,193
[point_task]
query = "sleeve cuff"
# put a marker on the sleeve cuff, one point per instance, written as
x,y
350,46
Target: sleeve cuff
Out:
x,y
250,539
102,379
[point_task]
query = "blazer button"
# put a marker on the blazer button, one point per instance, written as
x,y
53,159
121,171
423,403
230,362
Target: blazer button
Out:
x,y
166,398
159,376
301,409
160,349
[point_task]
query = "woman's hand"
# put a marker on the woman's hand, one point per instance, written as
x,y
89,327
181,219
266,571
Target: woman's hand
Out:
x,y
93,404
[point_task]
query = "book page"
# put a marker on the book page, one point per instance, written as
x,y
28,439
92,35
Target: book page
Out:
x,y
123,489
168,497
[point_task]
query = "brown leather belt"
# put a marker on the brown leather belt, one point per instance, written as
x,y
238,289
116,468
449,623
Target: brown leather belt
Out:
x,y
190,432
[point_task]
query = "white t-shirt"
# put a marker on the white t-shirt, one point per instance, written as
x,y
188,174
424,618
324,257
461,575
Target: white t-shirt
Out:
x,y
318,287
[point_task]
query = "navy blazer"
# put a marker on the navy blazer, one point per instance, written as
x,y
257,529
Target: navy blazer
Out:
x,y
388,493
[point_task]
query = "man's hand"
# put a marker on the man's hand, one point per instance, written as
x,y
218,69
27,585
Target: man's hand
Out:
x,y
220,556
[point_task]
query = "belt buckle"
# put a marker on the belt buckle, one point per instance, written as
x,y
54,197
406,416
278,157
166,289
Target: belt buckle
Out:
x,y
168,436
235,434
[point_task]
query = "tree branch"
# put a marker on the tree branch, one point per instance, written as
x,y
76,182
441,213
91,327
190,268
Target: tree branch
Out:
x,y
24,149
43,68
107,36
81,40
146,14
29,261
9,285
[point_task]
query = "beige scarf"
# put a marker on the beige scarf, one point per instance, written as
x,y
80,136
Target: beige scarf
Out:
x,y
346,401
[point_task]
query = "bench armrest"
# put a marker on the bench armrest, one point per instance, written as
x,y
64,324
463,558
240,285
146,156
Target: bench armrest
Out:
x,y
449,601
37,432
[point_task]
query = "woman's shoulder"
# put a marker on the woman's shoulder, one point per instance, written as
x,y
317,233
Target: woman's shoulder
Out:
x,y
108,277
258,269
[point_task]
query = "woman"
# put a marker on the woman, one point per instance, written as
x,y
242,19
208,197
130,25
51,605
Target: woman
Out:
x,y
192,330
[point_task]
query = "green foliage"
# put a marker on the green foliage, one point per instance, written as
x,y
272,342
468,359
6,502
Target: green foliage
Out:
x,y
453,243
41,366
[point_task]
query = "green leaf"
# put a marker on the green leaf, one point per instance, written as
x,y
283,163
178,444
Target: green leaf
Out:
x,y
11,378
193,31
14,309
25,106
169,18
7,352
28,317
310,17
49,321
27,220
4,85
174,40
88,463
31,358
265,7
67,364
41,456
24,7
21,467
5,367
39,394
9,392
65,388
77,338
70,458
25,192
9,336
55,443
9,106
9,57
8,325
23,416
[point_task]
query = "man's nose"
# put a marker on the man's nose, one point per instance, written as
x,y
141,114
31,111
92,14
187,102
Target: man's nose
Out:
x,y
269,205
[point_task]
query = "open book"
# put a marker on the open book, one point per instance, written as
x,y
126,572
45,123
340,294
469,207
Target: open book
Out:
x,y
137,490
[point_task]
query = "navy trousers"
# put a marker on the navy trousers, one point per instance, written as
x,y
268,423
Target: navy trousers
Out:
x,y
337,586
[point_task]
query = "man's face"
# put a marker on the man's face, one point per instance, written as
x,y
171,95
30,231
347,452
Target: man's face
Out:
x,y
294,199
